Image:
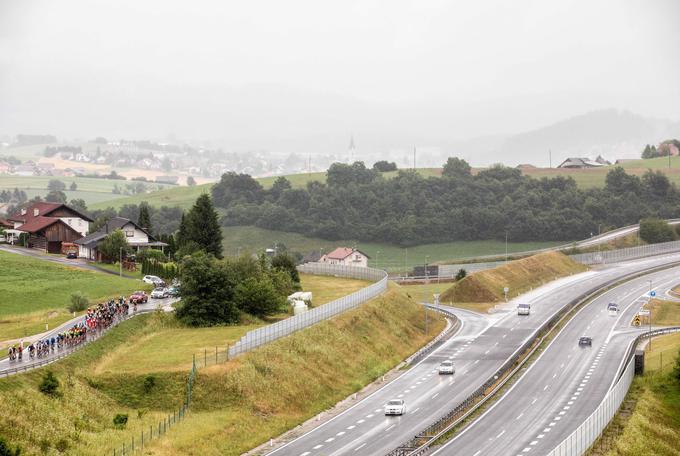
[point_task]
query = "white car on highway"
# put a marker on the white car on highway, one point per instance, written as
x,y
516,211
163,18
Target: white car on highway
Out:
x,y
447,367
395,407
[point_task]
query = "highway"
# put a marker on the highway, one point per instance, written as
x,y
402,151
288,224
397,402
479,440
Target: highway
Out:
x,y
566,383
479,349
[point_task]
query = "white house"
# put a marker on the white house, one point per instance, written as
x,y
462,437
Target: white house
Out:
x,y
346,256
137,237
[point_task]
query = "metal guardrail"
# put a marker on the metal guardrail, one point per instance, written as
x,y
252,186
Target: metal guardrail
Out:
x,y
260,336
439,340
579,441
420,444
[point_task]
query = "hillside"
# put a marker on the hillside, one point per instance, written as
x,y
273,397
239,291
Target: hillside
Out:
x,y
519,276
611,133
236,405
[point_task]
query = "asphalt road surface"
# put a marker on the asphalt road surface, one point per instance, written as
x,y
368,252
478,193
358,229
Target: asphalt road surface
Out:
x,y
567,383
478,350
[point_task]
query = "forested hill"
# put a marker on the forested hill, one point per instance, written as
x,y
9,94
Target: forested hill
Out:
x,y
358,203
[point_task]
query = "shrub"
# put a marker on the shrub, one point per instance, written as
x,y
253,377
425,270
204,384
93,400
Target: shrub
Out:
x,y
151,254
653,230
6,450
78,303
676,369
62,445
460,275
149,383
49,385
120,420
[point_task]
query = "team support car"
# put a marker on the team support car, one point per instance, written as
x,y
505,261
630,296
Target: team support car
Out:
x,y
151,279
446,367
138,297
585,341
159,293
395,407
173,290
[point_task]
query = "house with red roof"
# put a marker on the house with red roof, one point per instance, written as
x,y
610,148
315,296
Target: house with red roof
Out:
x,y
346,256
48,225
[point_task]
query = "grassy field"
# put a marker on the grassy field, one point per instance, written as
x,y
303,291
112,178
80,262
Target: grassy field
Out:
x,y
92,190
35,292
480,290
237,239
236,405
326,288
648,422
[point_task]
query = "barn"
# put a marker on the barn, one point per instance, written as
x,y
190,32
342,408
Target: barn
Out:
x,y
48,233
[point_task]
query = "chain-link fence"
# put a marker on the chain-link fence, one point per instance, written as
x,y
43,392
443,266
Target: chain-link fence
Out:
x,y
579,441
260,336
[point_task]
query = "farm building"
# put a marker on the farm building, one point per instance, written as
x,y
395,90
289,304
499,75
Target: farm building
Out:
x,y
48,225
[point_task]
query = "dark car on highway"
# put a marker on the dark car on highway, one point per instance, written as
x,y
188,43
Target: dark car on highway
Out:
x,y
585,341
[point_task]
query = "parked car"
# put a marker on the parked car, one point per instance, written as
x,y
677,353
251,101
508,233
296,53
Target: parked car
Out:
x,y
159,293
447,367
585,341
613,308
523,309
159,283
151,279
138,297
395,407
173,290
71,255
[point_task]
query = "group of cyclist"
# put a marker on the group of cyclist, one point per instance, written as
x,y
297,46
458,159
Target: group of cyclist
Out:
x,y
97,318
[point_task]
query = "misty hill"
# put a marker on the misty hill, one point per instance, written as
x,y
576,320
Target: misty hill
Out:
x,y
611,133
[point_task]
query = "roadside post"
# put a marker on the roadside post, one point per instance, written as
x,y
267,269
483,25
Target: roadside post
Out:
x,y
505,292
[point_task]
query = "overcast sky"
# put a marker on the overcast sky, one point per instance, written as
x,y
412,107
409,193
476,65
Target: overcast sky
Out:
x,y
279,69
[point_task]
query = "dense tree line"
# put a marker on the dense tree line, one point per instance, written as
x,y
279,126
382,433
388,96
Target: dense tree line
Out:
x,y
359,203
664,149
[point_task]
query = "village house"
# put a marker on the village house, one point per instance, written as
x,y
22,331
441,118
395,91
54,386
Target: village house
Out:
x,y
136,236
346,256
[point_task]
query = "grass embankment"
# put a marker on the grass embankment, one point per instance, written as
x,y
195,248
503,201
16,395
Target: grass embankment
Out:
x,y
648,422
664,313
240,404
425,292
34,292
115,269
480,290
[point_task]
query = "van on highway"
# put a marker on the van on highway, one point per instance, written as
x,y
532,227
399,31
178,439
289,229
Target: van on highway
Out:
x,y
523,309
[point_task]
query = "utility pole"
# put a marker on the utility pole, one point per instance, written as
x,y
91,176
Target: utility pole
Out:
x,y
550,157
414,158
120,261
506,246
649,308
